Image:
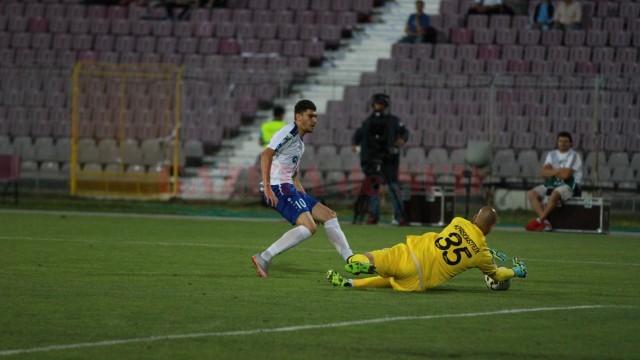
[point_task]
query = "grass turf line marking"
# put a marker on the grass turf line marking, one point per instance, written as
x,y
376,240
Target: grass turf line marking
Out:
x,y
150,243
291,328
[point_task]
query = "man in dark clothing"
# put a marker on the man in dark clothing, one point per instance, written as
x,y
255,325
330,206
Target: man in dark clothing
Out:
x,y
380,138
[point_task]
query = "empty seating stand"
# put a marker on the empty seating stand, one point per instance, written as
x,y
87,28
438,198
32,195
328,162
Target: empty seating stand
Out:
x,y
242,53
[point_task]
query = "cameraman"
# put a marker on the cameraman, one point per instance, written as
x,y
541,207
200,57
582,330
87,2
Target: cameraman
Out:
x,y
380,138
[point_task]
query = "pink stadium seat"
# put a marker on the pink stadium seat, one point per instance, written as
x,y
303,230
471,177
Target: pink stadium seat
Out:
x,y
244,31
241,16
150,58
602,54
552,38
37,24
477,21
347,20
489,52
506,36
145,44
326,17
99,26
331,34
473,66
54,10
558,53
288,31
528,37
512,52
574,38
429,66
206,29
520,22
267,31
314,50
292,48
423,51
162,28
120,27
82,42
41,41
103,43
183,29
129,57
596,38
228,47
21,40
626,54
58,25
123,43
258,4
17,24
271,46
444,51
117,12
500,22
140,28
61,42
580,53
620,38
202,14
219,15
461,35
79,26
165,45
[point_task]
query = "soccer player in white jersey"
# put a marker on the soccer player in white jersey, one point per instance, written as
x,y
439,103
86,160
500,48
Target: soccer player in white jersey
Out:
x,y
562,171
283,191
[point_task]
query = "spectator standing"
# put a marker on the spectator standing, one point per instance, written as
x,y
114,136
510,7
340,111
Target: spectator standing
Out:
x,y
562,171
380,138
269,128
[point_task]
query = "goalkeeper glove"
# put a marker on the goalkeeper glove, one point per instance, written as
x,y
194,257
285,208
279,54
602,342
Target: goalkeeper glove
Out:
x,y
498,255
519,268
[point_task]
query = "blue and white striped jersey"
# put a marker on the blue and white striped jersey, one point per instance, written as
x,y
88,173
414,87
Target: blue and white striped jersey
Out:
x,y
289,149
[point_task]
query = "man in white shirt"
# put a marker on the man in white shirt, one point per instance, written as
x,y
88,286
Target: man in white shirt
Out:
x,y
568,16
562,171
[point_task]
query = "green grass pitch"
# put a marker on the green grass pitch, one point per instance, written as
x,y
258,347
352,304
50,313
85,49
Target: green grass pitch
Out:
x,y
80,286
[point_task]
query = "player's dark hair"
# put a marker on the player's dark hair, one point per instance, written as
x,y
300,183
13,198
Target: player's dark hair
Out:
x,y
304,105
565,134
278,111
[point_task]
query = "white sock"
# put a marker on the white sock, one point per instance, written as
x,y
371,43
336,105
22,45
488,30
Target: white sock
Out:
x,y
337,238
290,239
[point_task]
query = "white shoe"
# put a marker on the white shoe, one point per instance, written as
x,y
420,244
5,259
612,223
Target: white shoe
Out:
x,y
261,264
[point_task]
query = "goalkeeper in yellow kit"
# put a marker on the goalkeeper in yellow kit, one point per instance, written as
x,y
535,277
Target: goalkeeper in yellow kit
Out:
x,y
426,261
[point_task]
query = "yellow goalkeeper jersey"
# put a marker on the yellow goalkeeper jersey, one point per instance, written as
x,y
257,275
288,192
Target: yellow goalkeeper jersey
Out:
x,y
459,247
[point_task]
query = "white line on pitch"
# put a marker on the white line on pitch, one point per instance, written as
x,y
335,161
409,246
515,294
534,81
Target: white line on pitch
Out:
x,y
290,328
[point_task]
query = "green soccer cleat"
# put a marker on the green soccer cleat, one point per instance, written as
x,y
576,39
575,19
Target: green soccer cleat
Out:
x,y
357,268
336,279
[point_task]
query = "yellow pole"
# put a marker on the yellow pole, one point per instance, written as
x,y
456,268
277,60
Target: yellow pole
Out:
x,y
176,138
121,118
75,99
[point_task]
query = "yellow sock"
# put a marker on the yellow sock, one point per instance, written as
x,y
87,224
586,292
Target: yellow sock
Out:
x,y
359,258
372,282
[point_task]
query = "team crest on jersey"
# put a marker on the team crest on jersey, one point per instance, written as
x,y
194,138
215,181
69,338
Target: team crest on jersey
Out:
x,y
294,160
